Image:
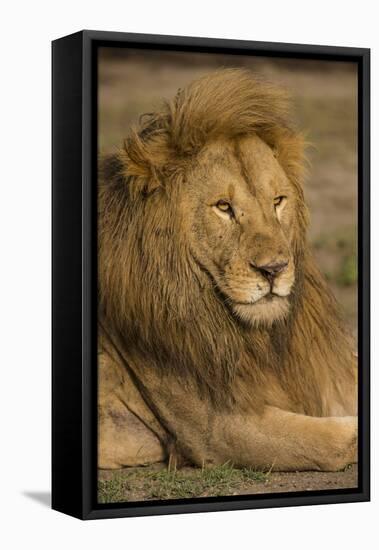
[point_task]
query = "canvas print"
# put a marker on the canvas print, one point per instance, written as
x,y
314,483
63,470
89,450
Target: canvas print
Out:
x,y
227,275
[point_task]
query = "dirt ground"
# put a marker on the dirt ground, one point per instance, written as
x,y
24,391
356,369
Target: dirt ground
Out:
x,y
324,94
156,483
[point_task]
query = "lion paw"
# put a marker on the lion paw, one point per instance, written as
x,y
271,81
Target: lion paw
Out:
x,y
343,449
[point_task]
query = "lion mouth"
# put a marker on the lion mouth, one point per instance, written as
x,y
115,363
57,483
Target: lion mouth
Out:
x,y
265,311
269,297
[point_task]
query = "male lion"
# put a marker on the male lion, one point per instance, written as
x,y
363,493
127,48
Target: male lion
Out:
x,y
218,337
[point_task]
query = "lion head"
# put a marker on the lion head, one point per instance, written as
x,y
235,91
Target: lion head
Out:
x,y
222,161
203,261
238,210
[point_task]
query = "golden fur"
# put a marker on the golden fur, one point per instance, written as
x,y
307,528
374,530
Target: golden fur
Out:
x,y
175,275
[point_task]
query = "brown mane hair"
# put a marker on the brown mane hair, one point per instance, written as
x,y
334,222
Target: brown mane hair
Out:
x,y
159,304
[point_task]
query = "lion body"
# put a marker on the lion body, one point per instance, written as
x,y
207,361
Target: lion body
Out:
x,y
195,335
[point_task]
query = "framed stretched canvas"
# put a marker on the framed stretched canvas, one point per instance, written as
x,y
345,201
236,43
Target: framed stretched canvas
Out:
x,y
210,274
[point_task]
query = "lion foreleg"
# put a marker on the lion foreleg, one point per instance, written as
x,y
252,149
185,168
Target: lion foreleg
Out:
x,y
286,441
275,439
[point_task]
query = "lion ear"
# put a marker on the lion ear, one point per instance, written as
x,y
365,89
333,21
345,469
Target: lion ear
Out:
x,y
288,148
145,161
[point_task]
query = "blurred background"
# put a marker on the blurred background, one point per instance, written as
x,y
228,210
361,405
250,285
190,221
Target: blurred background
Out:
x,y
133,82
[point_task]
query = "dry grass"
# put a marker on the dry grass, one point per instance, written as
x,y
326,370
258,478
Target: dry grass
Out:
x,y
162,484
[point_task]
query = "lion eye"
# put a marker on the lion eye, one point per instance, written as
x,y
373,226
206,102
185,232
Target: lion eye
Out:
x,y
279,200
224,206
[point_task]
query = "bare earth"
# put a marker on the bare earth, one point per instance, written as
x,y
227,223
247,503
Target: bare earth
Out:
x,y
306,481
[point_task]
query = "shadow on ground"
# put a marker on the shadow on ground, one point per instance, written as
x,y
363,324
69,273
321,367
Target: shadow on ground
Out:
x,y
42,497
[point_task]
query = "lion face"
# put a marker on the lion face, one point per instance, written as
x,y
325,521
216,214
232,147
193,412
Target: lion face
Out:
x,y
240,216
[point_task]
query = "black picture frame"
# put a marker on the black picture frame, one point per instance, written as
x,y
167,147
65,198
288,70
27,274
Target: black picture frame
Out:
x,y
74,150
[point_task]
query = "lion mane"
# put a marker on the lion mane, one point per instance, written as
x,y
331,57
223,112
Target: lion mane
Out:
x,y
159,310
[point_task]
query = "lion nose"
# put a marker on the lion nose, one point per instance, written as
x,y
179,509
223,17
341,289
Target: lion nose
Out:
x,y
270,271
